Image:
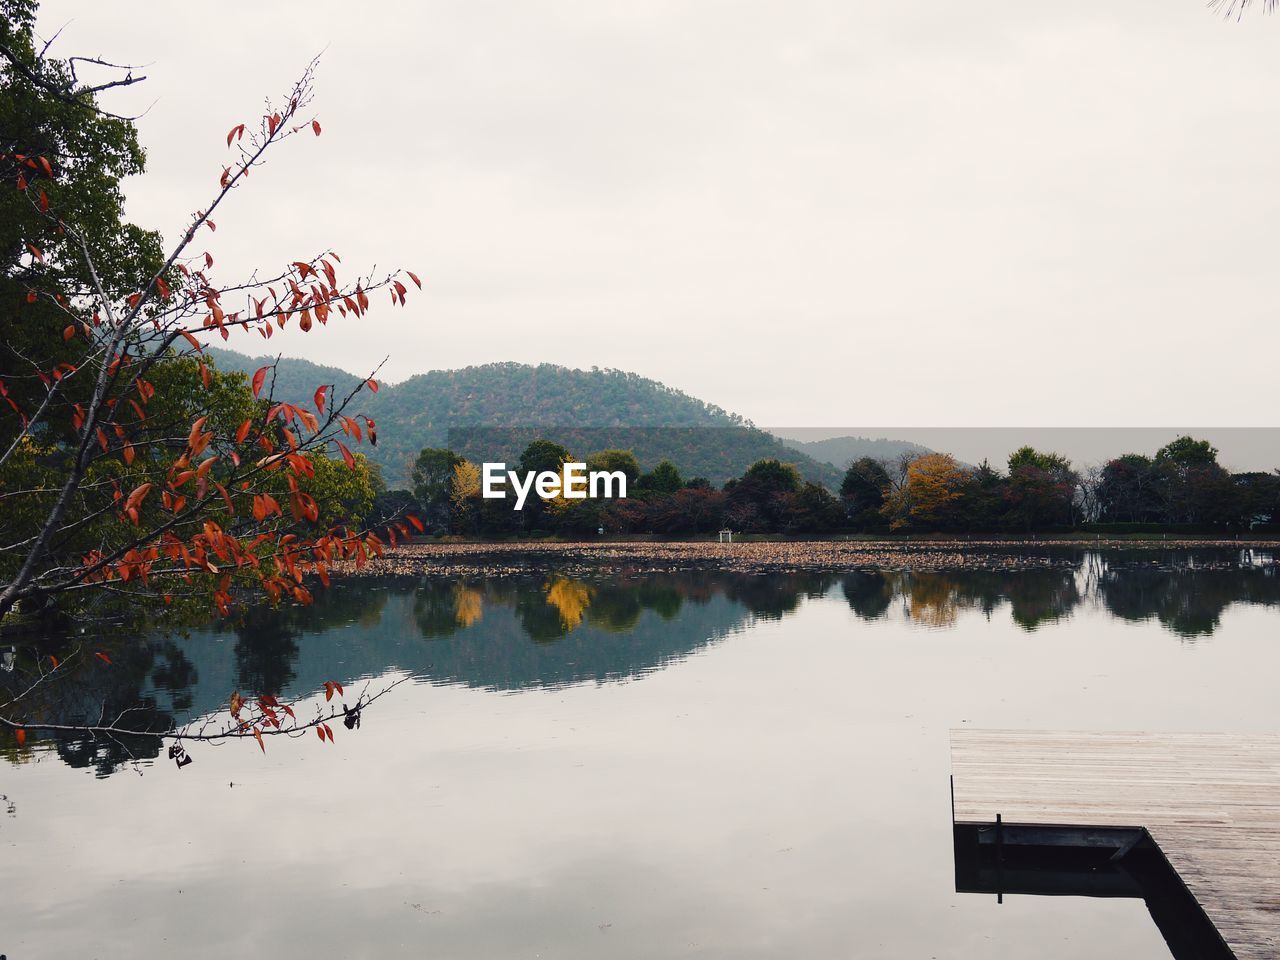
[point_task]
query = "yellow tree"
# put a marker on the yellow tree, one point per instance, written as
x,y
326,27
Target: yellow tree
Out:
x,y
931,496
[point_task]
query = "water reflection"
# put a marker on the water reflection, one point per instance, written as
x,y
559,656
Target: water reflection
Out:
x,y
1187,599
516,633
632,767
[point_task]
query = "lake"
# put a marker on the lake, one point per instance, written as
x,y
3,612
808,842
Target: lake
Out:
x,y
632,766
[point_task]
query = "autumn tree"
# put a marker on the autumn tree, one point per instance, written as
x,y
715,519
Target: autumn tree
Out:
x,y
130,467
931,496
1041,490
762,498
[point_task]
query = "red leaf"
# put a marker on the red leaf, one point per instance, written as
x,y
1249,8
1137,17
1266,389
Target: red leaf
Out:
x,y
54,661
372,384
236,132
21,736
347,458
68,333
315,127
319,733
319,398
243,431
259,377
414,277
103,657
417,524
36,252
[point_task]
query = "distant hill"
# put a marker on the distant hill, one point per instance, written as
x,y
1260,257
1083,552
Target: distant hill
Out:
x,y
492,411
842,451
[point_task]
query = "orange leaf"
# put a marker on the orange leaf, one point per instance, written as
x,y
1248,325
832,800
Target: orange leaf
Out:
x,y
372,384
193,438
347,458
259,377
68,333
257,735
137,496
54,660
319,398
243,431
417,524
21,736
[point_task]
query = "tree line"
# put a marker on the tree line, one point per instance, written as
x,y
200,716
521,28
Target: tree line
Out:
x,y
1180,488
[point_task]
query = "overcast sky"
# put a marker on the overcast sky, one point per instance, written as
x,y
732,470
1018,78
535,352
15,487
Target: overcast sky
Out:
x,y
811,213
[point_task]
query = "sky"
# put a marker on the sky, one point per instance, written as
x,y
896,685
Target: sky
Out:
x,y
810,213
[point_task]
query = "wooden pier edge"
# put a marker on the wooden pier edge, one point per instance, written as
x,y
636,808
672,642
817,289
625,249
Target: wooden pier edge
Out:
x,y
1210,804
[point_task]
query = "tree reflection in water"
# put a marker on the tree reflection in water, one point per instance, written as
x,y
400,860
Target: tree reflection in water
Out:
x,y
516,633
1186,597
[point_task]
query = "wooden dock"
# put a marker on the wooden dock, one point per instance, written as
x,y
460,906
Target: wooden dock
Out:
x,y
1209,802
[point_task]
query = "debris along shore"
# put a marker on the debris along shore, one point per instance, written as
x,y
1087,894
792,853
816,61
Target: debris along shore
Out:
x,y
497,559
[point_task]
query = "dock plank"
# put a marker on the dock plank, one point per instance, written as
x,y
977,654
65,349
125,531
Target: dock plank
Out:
x,y
1210,801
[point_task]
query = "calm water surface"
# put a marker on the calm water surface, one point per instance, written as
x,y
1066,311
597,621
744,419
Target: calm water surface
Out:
x,y
649,766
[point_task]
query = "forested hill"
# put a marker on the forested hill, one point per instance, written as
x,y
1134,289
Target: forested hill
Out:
x,y
585,410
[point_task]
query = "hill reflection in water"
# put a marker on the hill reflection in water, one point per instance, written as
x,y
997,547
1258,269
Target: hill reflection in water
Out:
x,y
513,634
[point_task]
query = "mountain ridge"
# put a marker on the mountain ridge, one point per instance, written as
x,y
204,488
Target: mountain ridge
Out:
x,y
585,410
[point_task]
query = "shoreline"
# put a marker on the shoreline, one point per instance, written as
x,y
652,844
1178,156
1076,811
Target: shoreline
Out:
x,y
760,556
